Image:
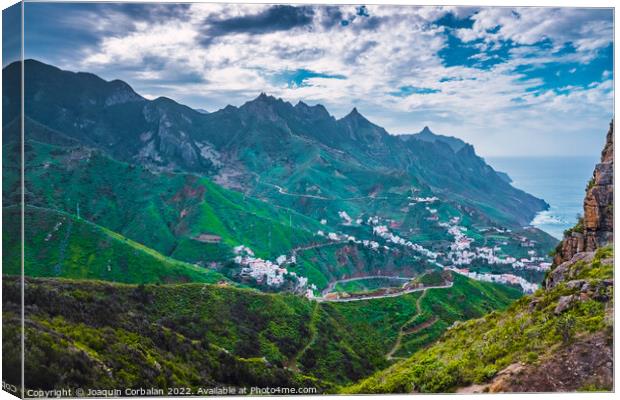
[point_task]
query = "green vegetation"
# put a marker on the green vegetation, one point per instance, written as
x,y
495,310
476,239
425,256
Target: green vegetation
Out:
x,y
465,300
368,284
434,278
152,333
578,228
162,211
475,351
345,259
60,245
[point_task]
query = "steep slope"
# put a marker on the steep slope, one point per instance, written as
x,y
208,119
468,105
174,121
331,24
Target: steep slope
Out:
x,y
93,334
294,165
186,217
426,135
559,339
596,225
293,147
58,244
456,144
161,211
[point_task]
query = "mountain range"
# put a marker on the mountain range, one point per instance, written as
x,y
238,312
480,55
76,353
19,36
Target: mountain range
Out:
x,y
238,146
253,245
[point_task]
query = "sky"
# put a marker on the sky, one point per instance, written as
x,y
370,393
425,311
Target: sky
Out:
x,y
512,81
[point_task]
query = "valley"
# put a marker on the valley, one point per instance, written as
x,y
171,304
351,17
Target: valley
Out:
x,y
189,334
559,338
170,247
214,199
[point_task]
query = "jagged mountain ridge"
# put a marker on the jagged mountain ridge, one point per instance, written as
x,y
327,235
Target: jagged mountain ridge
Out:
x,y
235,144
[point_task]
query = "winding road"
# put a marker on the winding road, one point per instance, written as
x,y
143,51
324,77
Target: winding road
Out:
x,y
316,245
283,191
333,284
381,296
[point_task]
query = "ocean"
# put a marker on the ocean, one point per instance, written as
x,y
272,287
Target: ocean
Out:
x,y
560,181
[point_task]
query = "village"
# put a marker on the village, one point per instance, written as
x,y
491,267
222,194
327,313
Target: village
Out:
x,y
270,273
460,258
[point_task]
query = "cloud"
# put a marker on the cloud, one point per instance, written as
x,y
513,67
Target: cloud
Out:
x,y
492,76
586,28
273,19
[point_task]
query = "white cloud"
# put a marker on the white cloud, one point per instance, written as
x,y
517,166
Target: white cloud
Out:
x,y
394,47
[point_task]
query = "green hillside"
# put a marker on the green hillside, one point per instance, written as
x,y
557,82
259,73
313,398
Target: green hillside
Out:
x,y
301,148
439,309
168,211
193,334
531,332
60,245
162,211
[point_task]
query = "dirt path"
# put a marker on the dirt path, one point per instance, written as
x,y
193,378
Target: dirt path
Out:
x,y
283,191
315,246
402,332
314,333
421,326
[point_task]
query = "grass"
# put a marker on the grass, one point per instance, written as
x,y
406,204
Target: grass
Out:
x,y
60,245
365,285
191,334
473,352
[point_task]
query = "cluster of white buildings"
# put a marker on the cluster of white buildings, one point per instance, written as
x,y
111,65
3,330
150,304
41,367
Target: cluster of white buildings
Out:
x,y
373,220
460,255
341,237
337,237
266,271
463,254
383,232
347,220
461,240
415,200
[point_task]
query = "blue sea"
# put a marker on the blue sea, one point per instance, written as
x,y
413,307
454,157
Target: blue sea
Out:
x,y
560,181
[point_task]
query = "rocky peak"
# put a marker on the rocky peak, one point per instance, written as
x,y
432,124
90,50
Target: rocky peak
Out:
x,y
121,92
426,135
596,228
355,116
267,108
317,111
426,131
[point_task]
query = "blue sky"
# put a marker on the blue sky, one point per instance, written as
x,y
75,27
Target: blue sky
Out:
x,y
512,81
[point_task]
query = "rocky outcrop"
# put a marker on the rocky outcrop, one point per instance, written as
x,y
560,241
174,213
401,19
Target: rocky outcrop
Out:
x,y
586,364
596,228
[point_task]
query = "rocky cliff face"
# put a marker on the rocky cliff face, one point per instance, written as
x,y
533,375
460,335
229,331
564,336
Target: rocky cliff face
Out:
x,y
582,274
596,228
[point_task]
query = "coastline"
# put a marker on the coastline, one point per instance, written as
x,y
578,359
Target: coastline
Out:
x,y
557,180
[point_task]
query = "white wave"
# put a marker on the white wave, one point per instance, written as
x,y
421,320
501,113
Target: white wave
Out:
x,y
547,218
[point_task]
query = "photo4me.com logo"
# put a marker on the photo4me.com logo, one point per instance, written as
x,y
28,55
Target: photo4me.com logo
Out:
x,y
279,390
